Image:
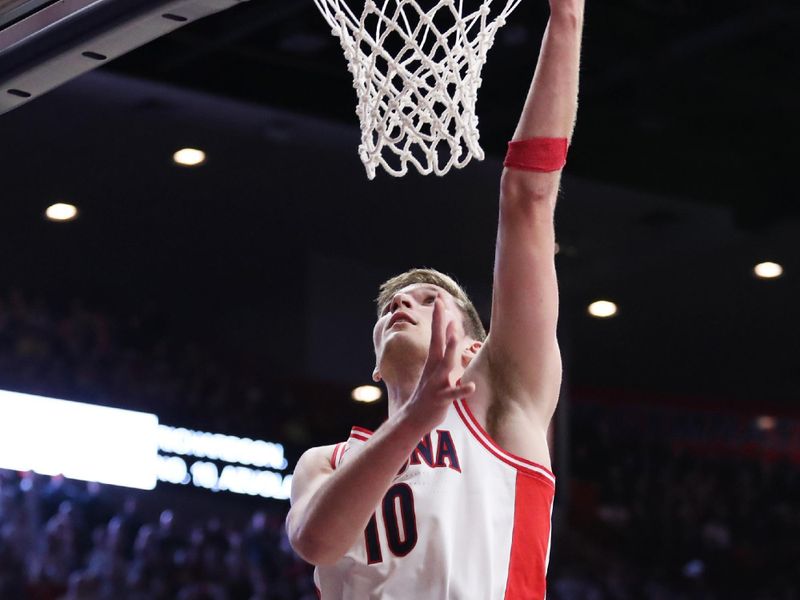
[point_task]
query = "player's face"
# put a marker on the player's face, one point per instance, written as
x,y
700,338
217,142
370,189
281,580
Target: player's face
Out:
x,y
405,322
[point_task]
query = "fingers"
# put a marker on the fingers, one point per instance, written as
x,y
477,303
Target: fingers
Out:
x,y
451,347
437,346
443,352
460,391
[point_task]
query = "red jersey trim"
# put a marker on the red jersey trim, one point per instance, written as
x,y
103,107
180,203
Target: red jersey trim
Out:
x,y
360,432
480,434
530,547
337,454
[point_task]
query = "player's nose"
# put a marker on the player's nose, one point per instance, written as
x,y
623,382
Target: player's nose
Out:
x,y
400,300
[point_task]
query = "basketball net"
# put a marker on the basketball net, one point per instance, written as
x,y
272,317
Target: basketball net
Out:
x,y
416,73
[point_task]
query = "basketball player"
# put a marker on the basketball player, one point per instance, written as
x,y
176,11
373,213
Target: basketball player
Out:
x,y
451,498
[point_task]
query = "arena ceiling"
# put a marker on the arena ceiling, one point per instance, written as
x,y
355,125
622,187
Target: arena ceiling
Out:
x,y
695,99
681,178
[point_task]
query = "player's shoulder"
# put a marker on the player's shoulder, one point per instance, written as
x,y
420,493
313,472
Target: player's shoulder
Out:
x,y
316,458
313,466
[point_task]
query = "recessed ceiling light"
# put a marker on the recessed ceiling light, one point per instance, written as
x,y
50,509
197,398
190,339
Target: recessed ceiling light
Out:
x,y
61,211
602,309
189,157
768,270
366,393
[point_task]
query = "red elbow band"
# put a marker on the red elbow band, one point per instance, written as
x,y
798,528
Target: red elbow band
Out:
x,y
537,154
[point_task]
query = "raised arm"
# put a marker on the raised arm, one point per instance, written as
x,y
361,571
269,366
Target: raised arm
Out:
x,y
522,349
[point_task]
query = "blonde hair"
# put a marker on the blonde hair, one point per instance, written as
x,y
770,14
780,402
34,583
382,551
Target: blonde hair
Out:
x,y
472,322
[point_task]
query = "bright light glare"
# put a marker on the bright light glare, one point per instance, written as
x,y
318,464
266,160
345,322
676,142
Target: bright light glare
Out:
x,y
766,423
602,309
61,211
768,270
189,157
78,441
367,393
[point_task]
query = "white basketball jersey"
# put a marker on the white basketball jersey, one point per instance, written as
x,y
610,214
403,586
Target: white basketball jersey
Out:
x,y
464,520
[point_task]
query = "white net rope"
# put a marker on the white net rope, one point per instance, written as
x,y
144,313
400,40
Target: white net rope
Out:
x,y
417,72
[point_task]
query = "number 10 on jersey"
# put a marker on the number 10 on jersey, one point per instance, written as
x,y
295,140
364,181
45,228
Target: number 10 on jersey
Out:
x,y
400,522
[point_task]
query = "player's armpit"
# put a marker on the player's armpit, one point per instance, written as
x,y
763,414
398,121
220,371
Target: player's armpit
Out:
x,y
310,474
532,388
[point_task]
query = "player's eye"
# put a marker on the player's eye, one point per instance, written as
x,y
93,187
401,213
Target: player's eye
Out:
x,y
430,299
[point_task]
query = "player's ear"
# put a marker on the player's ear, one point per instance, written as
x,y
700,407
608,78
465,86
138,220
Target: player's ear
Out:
x,y
470,352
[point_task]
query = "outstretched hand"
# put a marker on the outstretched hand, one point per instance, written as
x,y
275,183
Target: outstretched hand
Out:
x,y
438,386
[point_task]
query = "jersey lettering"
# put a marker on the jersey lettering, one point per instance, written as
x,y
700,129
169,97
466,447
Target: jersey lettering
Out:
x,y
424,449
447,451
441,454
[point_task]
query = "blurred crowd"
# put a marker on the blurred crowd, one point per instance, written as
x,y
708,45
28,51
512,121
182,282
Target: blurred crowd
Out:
x,y
65,540
650,520
646,510
136,362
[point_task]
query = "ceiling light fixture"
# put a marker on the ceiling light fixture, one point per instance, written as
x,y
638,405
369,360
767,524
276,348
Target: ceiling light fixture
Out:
x,y
602,309
768,270
61,211
189,157
366,393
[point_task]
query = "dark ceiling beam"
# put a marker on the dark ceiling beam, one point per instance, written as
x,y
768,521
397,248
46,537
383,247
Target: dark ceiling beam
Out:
x,y
65,39
736,29
253,18
310,65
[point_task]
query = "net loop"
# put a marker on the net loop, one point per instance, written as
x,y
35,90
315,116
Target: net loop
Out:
x,y
416,72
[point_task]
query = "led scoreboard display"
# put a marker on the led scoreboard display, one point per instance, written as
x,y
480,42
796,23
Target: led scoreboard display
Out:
x,y
222,463
130,448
